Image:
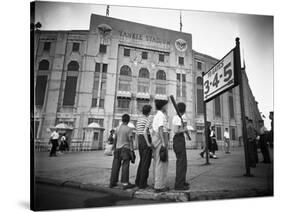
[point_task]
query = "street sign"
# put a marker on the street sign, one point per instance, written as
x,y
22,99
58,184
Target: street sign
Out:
x,y
219,78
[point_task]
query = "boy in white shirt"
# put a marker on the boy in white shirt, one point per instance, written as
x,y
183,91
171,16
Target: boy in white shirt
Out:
x,y
160,140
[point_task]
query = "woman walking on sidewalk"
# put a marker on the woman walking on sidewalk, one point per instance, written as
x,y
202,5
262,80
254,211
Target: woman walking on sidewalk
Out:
x,y
145,150
160,144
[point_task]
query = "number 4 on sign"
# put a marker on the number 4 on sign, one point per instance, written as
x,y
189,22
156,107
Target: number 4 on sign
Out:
x,y
216,81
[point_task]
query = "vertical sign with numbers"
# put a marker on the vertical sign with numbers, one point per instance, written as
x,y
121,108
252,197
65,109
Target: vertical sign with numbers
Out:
x,y
219,78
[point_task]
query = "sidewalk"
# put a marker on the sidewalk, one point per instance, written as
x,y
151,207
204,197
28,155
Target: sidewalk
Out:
x,y
220,180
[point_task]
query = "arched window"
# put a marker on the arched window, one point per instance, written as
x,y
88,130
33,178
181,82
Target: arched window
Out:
x,y
44,65
73,66
143,73
199,81
161,75
125,71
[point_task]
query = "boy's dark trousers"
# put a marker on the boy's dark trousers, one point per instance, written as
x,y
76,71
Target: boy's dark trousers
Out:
x,y
251,152
122,158
145,161
264,149
181,164
54,147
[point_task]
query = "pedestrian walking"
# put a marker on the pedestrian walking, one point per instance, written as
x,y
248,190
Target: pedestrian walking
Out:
x,y
123,151
54,141
251,142
214,145
179,148
160,146
111,137
226,141
263,142
144,142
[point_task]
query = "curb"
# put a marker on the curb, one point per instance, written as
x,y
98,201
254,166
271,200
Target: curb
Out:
x,y
86,186
172,195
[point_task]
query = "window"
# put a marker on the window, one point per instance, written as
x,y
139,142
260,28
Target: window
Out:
x,y
94,102
73,66
97,67
102,48
123,103
75,47
104,68
160,75
231,106
219,134
217,107
178,90
143,88
70,91
125,71
181,60
143,73
41,83
199,65
96,136
141,103
178,77
101,103
99,121
183,78
44,65
47,46
199,83
160,89
144,55
161,57
126,52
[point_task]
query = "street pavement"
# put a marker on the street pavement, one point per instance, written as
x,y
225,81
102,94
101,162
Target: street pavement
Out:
x,y
223,178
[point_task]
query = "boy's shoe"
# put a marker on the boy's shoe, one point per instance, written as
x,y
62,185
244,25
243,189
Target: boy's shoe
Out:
x,y
128,186
112,185
201,154
215,157
184,188
161,190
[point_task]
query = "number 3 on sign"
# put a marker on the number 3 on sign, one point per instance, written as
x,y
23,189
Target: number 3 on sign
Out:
x,y
207,87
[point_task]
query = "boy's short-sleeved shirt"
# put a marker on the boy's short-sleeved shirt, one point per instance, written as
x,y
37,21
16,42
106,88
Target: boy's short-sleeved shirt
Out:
x,y
124,134
160,120
55,135
177,121
226,135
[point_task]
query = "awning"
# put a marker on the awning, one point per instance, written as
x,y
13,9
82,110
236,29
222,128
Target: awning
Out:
x,y
62,126
161,97
126,94
94,125
143,95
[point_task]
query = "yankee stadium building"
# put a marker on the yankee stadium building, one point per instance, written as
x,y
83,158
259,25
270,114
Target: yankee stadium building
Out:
x,y
84,80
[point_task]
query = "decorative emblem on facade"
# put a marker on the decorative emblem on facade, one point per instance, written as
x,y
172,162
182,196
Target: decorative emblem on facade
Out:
x,y
181,45
104,31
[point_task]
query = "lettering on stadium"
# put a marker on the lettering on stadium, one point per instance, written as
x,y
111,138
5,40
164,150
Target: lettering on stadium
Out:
x,y
148,38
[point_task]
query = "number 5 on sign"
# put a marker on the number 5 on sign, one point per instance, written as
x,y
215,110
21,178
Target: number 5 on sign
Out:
x,y
219,78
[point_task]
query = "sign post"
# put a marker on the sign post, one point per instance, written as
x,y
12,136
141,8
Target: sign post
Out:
x,y
206,130
244,130
224,75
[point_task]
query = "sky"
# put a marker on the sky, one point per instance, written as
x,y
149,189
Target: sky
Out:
x,y
212,33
